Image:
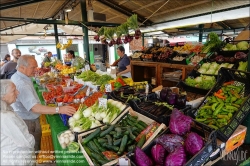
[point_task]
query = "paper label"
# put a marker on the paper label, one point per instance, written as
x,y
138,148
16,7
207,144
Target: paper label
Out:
x,y
108,88
88,91
102,102
123,161
87,67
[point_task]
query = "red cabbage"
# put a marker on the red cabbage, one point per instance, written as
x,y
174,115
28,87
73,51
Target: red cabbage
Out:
x,y
177,158
158,154
193,143
170,141
141,159
179,123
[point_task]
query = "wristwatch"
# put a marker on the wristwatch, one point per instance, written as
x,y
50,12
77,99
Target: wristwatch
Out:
x,y
57,109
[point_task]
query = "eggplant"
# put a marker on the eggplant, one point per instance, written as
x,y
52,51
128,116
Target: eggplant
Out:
x,y
181,100
172,98
164,93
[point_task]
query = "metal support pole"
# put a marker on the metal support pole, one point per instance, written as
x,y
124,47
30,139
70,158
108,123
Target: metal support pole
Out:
x,y
248,63
201,26
85,29
142,39
58,52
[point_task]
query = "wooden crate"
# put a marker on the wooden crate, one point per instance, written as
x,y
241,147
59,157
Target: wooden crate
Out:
x,y
120,117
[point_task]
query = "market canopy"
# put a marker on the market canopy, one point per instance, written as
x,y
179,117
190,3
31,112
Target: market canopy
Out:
x,y
152,15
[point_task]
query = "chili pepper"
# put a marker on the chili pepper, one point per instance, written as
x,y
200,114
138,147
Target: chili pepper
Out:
x,y
223,90
222,116
219,91
224,113
214,106
213,126
206,107
228,99
220,100
236,105
219,96
230,107
233,99
218,109
230,115
120,80
200,120
228,83
214,99
239,101
235,94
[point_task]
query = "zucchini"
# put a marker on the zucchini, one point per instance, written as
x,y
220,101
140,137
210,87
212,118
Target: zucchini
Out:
x,y
102,140
105,132
91,136
131,148
123,145
99,145
111,147
141,141
117,142
99,158
143,124
109,138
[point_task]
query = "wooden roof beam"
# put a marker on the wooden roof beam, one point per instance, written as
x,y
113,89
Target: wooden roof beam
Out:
x,y
9,5
112,4
150,4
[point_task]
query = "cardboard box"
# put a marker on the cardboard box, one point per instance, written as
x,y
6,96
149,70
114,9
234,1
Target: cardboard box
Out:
x,y
120,117
237,139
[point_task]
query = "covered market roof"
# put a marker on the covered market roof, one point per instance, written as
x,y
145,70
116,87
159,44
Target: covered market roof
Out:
x,y
170,17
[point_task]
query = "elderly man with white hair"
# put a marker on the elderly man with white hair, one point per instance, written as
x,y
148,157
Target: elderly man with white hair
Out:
x,y
17,144
28,105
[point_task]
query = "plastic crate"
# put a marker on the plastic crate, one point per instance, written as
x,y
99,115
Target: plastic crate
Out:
x,y
162,118
239,78
201,157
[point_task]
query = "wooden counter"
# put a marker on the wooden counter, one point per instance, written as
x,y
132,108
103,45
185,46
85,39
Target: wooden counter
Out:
x,y
144,71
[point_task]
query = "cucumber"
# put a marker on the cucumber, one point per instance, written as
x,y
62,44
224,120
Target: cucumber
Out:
x,y
139,126
118,131
102,140
130,142
131,123
95,162
112,132
141,141
117,142
99,158
126,133
136,133
91,136
134,128
99,145
143,124
109,138
105,132
131,118
87,150
111,147
123,145
93,147
131,135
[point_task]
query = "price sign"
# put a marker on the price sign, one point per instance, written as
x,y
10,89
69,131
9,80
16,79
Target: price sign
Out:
x,y
103,102
88,91
123,161
108,88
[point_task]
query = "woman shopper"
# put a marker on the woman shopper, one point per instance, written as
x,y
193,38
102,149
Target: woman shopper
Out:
x,y
124,68
17,144
5,60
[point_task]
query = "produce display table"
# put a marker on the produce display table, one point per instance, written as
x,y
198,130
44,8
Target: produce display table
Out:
x,y
63,157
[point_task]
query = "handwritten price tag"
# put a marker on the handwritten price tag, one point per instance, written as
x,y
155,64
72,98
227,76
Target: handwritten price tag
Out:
x,y
108,88
87,67
103,102
88,91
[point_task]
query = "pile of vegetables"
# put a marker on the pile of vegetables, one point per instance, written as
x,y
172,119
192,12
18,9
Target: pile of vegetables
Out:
x,y
95,78
172,98
221,106
243,45
65,138
91,100
203,81
110,142
91,117
242,66
213,68
213,44
171,149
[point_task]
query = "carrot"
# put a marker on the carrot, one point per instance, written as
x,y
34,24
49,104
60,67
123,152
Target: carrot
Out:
x,y
219,96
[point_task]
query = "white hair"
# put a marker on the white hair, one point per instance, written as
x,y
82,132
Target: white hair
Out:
x,y
24,60
5,83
